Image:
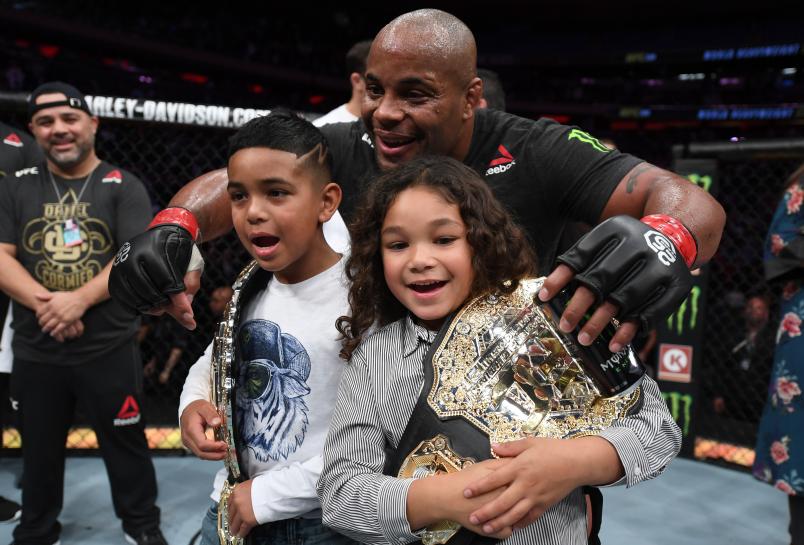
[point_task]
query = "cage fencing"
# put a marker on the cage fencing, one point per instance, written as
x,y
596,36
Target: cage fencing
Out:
x,y
715,353
717,405
165,156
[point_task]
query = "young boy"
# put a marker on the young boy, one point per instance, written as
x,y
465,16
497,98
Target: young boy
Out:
x,y
286,341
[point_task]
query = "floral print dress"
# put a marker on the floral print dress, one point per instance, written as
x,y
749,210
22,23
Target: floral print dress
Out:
x,y
780,442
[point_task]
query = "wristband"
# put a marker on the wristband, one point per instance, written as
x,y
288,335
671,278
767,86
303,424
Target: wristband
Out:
x,y
673,229
177,216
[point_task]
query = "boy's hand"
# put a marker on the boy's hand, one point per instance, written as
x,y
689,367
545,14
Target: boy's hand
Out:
x,y
195,419
540,474
241,513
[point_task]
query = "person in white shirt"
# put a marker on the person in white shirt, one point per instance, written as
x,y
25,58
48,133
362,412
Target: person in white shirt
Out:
x,y
286,342
335,229
356,69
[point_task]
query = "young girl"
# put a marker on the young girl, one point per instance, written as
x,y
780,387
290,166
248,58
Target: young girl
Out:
x,y
430,236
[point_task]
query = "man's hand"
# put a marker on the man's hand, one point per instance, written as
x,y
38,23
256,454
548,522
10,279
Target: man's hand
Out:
x,y
72,331
180,306
241,512
195,419
632,271
151,267
58,310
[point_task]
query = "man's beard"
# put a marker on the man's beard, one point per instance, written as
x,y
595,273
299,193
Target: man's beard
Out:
x,y
69,160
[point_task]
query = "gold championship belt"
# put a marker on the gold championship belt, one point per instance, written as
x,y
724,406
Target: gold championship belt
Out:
x,y
501,370
223,379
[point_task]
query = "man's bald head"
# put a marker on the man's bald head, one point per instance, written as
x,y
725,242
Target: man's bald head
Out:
x,y
435,34
421,88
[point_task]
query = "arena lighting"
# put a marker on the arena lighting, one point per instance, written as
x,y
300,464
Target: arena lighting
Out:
x,y
194,78
49,51
256,88
692,77
127,66
123,64
764,51
624,125
316,99
717,450
558,118
652,82
746,113
635,112
788,71
641,56
145,79
85,438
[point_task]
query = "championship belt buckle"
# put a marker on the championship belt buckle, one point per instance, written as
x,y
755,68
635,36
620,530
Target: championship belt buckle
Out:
x,y
500,370
223,398
432,457
224,533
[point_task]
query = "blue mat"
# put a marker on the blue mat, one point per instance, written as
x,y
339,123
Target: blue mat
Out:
x,y
691,504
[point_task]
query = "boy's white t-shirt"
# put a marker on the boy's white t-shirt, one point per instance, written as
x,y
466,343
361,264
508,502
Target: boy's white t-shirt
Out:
x,y
288,340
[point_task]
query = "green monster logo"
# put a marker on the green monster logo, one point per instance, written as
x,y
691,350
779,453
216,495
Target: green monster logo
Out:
x,y
702,181
679,315
674,401
588,139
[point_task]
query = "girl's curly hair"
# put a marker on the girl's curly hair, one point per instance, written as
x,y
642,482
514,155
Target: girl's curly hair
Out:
x,y
500,249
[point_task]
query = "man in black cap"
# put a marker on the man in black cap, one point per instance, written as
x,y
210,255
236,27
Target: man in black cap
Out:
x,y
61,222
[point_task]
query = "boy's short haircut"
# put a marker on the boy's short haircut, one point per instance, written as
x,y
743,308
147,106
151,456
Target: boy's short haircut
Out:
x,y
284,131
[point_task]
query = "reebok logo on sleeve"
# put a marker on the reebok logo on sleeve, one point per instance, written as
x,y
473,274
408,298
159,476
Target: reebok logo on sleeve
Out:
x,y
502,162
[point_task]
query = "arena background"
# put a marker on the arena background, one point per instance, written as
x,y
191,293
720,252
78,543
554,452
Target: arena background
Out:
x,y
714,91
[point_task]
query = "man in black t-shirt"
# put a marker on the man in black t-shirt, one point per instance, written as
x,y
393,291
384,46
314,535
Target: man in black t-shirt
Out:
x,y
17,150
61,222
421,93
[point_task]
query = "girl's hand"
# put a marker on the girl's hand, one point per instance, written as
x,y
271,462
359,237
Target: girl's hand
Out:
x,y
440,497
541,472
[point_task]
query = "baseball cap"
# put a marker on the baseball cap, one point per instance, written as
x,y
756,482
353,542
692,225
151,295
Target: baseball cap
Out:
x,y
75,98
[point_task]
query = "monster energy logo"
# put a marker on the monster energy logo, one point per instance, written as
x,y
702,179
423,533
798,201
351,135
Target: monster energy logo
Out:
x,y
674,402
677,318
703,181
588,139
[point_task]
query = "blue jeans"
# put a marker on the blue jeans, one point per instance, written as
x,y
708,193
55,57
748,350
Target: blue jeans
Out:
x,y
296,531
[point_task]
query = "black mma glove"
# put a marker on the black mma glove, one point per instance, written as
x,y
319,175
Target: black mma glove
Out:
x,y
152,265
641,266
